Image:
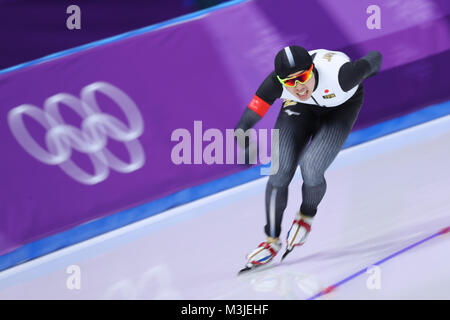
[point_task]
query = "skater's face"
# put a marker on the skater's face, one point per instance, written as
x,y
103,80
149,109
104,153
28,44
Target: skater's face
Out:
x,y
302,91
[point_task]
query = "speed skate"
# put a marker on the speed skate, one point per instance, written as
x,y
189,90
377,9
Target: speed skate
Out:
x,y
262,255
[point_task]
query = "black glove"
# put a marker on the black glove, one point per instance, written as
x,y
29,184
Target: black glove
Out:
x,y
248,120
244,145
374,58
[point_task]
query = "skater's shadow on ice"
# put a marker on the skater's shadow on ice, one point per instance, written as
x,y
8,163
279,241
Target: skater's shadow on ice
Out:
x,y
376,247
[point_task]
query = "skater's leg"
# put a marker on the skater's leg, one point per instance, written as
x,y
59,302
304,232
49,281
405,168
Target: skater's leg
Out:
x,y
295,129
294,132
325,145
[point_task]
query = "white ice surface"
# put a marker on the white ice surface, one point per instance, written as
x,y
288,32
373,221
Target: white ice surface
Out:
x,y
382,196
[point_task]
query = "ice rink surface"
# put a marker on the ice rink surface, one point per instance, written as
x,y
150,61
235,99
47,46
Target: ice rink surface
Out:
x,y
383,196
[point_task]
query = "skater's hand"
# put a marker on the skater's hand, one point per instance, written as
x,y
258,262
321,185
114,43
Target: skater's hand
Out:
x,y
246,146
375,59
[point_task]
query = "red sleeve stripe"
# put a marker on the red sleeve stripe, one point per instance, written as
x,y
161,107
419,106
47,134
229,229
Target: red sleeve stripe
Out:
x,y
259,105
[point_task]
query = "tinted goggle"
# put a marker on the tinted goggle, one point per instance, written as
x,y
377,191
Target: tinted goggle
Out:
x,y
302,78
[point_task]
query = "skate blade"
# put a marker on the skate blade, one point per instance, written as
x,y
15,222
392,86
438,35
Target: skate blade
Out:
x,y
245,270
249,269
286,253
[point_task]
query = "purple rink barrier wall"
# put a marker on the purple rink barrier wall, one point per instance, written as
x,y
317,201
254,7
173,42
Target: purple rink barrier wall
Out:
x,y
103,143
45,23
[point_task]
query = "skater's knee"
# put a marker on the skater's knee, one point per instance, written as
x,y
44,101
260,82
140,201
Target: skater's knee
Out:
x,y
312,175
281,179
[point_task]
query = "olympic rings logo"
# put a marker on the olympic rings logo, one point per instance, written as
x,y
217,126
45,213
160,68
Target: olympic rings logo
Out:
x,y
96,127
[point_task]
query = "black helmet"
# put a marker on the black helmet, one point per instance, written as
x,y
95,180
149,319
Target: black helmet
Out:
x,y
292,59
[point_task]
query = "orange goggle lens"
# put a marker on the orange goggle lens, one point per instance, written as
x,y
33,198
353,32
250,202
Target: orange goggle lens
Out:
x,y
302,78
